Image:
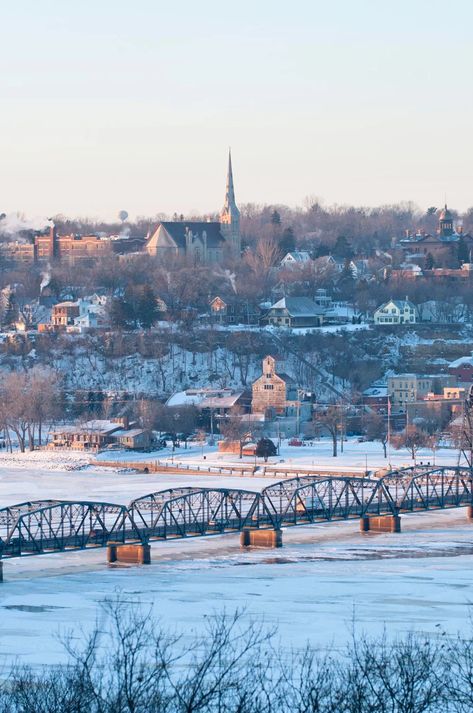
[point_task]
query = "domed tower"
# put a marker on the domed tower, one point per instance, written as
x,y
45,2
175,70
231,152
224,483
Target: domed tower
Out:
x,y
230,215
445,223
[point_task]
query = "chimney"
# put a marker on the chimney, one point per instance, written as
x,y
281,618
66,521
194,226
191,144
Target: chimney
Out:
x,y
53,253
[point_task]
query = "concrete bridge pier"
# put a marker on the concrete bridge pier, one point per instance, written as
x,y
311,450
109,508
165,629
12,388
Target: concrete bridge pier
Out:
x,y
261,538
130,553
380,523
469,512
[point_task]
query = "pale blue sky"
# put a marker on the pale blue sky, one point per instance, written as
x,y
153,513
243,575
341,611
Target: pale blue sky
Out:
x,y
112,104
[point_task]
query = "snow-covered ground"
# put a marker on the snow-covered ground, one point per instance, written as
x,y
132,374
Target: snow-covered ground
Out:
x,y
67,475
311,588
356,456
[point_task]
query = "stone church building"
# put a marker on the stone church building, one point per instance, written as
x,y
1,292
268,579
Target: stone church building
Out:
x,y
273,390
201,242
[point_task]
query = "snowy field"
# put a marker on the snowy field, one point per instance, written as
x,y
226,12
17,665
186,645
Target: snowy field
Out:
x,y
324,575
355,457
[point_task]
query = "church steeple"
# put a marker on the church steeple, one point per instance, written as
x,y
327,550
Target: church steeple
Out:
x,y
230,215
230,192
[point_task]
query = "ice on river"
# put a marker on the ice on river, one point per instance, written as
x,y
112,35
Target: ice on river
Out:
x,y
312,588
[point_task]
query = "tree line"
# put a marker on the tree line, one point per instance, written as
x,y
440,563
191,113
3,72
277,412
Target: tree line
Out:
x,y
29,401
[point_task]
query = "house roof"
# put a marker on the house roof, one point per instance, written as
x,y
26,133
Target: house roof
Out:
x,y
100,426
428,238
178,231
297,256
285,377
226,401
184,398
299,306
400,304
129,432
197,396
461,361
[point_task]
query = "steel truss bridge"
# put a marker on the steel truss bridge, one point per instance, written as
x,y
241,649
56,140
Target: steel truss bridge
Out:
x,y
45,526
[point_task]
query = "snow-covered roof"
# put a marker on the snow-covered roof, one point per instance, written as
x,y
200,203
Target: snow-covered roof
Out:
x,y
195,397
129,433
100,426
298,306
184,398
411,267
296,256
461,361
400,304
378,391
224,401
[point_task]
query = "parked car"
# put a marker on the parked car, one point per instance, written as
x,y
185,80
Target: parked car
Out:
x,y
295,442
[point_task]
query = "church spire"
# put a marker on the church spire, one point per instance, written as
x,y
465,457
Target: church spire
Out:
x,y
230,192
230,215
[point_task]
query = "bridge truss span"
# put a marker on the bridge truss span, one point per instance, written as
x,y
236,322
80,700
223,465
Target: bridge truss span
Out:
x,y
430,488
305,501
197,511
55,526
43,526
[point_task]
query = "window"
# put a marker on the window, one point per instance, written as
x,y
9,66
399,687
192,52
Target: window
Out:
x,y
268,387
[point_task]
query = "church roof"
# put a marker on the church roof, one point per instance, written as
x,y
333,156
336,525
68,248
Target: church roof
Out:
x,y
178,230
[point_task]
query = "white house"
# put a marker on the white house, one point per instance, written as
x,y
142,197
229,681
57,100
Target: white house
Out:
x,y
296,257
396,312
92,313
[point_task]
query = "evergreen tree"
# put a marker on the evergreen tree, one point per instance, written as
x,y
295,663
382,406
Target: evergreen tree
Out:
x,y
322,250
265,448
287,244
342,247
346,281
463,254
275,218
429,262
121,313
147,308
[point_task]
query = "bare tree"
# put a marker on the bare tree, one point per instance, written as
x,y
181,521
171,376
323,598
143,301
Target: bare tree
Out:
x,y
376,429
237,428
413,439
329,419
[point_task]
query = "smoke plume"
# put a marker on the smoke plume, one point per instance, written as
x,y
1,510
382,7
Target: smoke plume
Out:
x,y
12,224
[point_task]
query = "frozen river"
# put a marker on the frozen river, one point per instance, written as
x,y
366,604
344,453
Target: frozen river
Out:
x,y
311,588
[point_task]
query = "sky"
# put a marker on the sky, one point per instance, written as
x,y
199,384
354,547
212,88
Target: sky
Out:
x,y
112,105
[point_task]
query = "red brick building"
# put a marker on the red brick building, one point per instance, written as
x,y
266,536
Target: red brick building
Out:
x,y
462,369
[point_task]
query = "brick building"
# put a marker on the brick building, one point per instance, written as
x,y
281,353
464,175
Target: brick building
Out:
x,y
64,314
72,249
441,245
407,388
272,390
462,369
